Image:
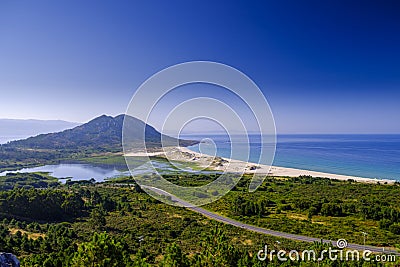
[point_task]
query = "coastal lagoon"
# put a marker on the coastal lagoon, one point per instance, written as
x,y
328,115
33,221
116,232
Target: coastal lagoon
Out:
x,y
100,172
75,171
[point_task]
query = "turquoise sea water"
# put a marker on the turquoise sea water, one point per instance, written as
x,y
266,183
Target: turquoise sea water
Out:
x,y
371,156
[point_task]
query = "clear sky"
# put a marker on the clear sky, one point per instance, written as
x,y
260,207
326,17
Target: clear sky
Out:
x,y
324,66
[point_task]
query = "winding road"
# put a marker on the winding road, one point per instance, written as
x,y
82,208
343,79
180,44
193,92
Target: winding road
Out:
x,y
253,228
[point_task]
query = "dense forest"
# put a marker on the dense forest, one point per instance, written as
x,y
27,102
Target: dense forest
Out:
x,y
27,180
116,224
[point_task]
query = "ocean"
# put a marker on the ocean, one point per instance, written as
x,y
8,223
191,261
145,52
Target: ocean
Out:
x,y
366,155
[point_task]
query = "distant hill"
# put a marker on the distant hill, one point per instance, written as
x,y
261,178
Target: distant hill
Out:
x,y
11,129
101,134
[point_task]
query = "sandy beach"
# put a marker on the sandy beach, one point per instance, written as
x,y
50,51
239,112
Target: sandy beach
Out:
x,y
231,165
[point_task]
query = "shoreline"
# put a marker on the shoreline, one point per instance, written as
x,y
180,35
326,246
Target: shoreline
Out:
x,y
237,166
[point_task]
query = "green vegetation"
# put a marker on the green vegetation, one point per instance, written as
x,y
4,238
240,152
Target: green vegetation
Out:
x,y
112,224
70,228
81,223
112,159
318,207
27,180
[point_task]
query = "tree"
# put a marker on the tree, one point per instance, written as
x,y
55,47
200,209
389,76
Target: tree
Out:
x,y
395,228
174,257
96,198
97,218
101,251
73,204
331,209
217,251
140,259
311,212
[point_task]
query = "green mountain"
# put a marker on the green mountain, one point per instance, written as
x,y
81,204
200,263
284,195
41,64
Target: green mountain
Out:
x,y
101,134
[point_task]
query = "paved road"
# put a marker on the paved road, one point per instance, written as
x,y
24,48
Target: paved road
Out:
x,y
249,227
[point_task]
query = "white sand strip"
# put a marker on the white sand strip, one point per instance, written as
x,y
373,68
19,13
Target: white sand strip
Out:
x,y
228,165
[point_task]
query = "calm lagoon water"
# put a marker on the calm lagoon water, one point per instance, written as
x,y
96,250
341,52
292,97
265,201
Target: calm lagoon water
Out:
x,y
370,156
81,171
74,172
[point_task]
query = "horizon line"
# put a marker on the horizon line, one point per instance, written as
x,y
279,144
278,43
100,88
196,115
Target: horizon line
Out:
x,y
215,132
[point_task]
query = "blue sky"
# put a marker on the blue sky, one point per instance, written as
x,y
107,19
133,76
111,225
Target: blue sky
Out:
x,y
324,66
